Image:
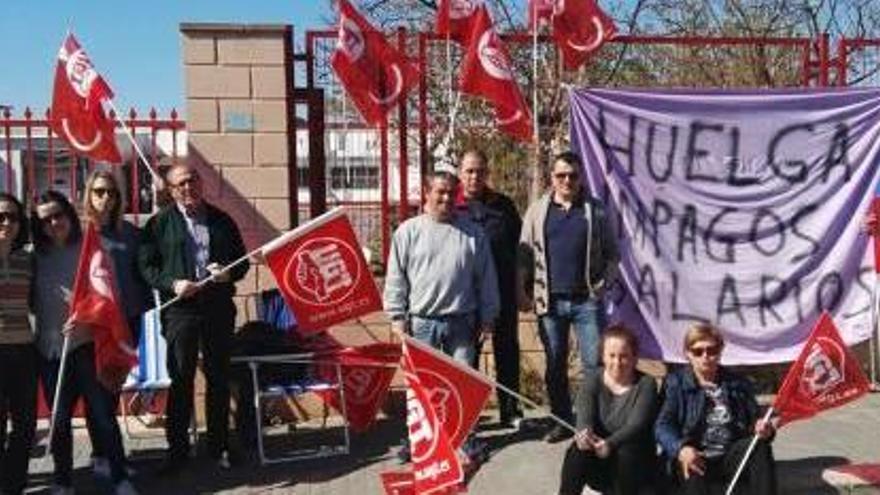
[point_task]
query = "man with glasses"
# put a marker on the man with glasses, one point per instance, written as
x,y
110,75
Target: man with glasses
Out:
x,y
185,243
568,257
497,214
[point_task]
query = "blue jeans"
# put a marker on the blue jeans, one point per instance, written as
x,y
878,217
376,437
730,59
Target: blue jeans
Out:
x,y
455,335
81,381
584,315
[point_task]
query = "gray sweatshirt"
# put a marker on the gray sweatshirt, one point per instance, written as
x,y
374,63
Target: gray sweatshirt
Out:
x,y
441,269
54,272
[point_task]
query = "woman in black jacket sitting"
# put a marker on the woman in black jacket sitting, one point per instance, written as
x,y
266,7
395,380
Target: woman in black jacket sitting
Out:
x,y
613,451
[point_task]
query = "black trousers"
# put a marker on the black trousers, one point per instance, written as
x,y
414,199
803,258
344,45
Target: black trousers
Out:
x,y
624,472
189,329
18,401
505,348
758,477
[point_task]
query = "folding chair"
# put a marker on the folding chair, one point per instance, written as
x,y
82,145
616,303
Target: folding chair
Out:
x,y
272,311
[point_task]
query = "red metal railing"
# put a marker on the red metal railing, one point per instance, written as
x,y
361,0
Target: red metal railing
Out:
x,y
30,143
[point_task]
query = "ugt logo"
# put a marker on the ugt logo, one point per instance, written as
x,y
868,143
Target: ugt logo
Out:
x,y
823,368
323,271
423,435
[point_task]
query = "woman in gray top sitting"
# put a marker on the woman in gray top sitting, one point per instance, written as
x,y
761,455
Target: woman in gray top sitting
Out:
x,y
613,451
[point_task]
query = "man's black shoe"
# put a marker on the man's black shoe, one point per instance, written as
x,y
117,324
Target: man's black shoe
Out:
x,y
557,434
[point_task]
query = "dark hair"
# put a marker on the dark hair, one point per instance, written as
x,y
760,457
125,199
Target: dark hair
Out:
x,y
619,331
41,240
430,177
569,157
22,238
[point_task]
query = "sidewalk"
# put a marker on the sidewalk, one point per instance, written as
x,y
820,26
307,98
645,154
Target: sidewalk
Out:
x,y
521,463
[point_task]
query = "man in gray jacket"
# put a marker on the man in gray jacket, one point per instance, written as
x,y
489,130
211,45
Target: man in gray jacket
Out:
x,y
441,285
568,254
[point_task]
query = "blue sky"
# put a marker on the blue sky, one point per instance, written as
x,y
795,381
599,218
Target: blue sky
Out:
x,y
135,45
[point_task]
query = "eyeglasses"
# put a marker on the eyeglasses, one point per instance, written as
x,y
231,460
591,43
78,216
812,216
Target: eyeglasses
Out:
x,y
48,219
565,175
9,217
101,192
710,350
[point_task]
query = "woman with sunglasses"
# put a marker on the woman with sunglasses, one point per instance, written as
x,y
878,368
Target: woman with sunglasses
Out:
x,y
57,239
18,359
103,205
708,418
614,450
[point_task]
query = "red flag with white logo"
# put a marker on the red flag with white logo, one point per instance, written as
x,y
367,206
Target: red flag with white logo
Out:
x,y
486,72
77,105
825,375
580,28
321,272
456,19
95,304
540,11
366,372
457,392
398,482
436,467
373,72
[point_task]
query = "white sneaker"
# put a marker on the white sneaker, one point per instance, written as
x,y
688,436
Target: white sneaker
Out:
x,y
56,489
124,487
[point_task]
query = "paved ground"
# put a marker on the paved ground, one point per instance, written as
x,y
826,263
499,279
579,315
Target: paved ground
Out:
x,y
521,463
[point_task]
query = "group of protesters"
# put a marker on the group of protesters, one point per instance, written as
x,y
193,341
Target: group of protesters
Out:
x,y
458,274
187,241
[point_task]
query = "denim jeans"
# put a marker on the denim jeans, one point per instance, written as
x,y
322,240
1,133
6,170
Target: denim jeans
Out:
x,y
81,380
584,315
455,335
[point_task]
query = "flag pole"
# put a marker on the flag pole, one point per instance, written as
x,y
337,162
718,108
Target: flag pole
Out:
x,y
292,233
535,79
529,402
745,458
56,397
156,179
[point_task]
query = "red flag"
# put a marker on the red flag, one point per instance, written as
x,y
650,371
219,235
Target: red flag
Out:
x,y
373,72
456,19
540,11
487,73
322,273
457,393
580,28
398,482
77,112
825,375
94,303
436,467
366,374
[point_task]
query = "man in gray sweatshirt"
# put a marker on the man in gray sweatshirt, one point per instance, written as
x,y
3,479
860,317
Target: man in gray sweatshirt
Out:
x,y
440,285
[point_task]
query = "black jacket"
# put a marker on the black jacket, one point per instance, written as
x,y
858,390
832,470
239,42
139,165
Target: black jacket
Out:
x,y
163,256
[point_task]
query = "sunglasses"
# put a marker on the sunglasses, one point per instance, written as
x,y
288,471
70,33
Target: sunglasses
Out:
x,y
8,217
101,192
711,351
565,175
48,219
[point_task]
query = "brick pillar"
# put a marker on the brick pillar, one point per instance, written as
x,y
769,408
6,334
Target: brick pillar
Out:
x,y
237,106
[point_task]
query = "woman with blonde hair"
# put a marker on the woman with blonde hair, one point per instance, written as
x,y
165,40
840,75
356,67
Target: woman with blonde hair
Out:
x,y
707,419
